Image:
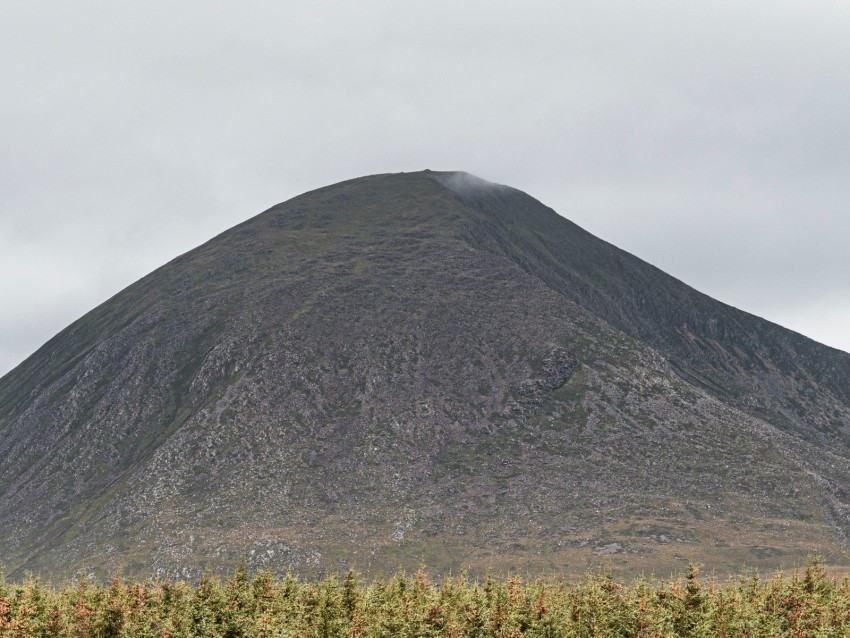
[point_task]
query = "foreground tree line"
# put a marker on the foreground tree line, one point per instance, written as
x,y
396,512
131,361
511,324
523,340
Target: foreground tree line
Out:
x,y
806,604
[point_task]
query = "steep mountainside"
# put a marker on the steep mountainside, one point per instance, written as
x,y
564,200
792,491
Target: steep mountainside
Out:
x,y
420,368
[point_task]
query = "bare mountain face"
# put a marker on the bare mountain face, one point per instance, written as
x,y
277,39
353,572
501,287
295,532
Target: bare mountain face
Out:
x,y
420,368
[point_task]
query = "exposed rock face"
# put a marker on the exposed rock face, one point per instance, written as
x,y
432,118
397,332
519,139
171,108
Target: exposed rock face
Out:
x,y
419,368
557,368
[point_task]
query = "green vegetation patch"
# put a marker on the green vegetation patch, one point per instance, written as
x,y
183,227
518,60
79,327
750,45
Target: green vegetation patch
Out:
x,y
300,310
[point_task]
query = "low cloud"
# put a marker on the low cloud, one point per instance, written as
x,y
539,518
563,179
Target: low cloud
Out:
x,y
466,184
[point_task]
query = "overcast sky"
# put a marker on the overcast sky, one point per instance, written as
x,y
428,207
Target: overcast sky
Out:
x,y
711,139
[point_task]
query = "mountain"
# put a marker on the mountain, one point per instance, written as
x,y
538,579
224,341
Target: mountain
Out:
x,y
420,368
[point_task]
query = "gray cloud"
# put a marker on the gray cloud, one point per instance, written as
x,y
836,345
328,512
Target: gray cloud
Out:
x,y
707,138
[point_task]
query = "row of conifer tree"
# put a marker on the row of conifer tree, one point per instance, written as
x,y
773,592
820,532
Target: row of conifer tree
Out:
x,y
806,604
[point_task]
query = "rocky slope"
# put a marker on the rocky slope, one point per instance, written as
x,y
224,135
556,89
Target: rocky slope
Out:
x,y
420,368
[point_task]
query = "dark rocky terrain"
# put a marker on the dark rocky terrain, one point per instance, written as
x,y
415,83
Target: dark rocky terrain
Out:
x,y
420,368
